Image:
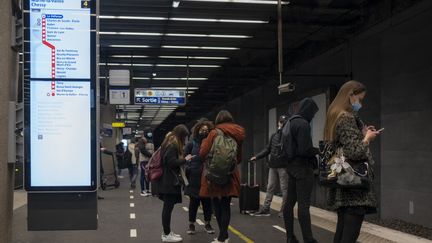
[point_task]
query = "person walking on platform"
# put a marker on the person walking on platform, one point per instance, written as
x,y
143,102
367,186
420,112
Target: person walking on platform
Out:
x,y
222,187
168,188
300,171
194,171
345,129
146,150
277,170
120,151
131,158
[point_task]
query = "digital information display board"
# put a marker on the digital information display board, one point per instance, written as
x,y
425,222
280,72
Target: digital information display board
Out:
x,y
60,109
159,97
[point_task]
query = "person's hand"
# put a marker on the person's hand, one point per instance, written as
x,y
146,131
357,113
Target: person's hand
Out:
x,y
189,157
370,135
253,159
366,128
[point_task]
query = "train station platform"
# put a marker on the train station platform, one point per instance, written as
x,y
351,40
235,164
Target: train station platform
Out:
x,y
125,216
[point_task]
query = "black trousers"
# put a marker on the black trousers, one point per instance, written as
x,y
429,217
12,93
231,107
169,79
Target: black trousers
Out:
x,y
222,209
348,227
168,205
193,208
300,184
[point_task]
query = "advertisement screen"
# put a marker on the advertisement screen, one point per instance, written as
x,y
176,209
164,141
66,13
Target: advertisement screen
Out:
x,y
60,114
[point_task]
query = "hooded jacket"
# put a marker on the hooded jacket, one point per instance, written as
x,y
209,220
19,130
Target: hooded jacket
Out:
x,y
301,132
233,188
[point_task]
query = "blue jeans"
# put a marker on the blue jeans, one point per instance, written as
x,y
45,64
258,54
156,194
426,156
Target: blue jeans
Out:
x,y
145,185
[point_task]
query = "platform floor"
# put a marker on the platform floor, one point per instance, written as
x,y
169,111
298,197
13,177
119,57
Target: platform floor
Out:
x,y
116,225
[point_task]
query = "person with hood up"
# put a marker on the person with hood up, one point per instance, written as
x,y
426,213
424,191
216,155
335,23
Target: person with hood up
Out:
x,y
221,194
277,170
300,172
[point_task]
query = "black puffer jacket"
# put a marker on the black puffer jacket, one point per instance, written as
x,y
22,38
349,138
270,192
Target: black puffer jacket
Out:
x,y
272,148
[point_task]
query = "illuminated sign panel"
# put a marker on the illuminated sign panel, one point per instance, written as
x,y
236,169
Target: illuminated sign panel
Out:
x,y
160,97
60,110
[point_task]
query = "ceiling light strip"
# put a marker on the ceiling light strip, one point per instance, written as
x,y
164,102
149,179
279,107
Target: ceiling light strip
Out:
x,y
239,21
241,1
175,35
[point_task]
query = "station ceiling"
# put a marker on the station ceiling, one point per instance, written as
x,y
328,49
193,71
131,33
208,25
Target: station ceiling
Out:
x,y
225,47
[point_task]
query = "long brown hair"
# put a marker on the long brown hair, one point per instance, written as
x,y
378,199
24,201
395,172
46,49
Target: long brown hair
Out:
x,y
177,137
340,105
224,116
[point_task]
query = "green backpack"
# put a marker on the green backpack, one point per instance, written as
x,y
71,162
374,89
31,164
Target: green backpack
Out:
x,y
222,159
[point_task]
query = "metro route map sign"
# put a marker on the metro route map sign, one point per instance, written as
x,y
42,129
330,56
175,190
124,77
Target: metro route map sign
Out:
x,y
60,109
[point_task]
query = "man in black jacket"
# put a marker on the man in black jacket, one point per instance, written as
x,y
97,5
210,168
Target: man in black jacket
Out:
x,y
300,172
277,170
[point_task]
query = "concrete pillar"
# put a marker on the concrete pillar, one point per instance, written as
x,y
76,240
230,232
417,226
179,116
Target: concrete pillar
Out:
x,y
7,78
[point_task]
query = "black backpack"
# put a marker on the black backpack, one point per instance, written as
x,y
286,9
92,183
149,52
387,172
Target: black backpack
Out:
x,y
287,144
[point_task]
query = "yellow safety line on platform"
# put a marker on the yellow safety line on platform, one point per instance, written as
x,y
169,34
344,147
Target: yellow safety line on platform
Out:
x,y
240,235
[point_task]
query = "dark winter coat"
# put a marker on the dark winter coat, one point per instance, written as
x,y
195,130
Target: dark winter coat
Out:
x,y
194,168
272,148
350,137
170,182
305,152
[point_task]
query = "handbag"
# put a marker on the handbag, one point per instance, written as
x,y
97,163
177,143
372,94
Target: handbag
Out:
x,y
336,171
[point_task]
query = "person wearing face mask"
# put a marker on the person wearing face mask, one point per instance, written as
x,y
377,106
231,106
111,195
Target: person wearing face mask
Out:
x,y
277,170
345,129
194,170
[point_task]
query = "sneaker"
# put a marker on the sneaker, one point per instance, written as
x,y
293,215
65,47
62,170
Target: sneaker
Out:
x,y
217,241
171,237
191,230
262,213
209,229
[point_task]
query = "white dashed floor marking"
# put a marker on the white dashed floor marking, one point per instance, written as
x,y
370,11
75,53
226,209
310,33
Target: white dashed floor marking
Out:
x,y
131,191
186,209
132,205
279,228
200,222
133,233
131,197
132,216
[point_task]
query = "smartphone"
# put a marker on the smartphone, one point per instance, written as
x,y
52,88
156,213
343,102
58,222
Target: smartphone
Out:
x,y
381,130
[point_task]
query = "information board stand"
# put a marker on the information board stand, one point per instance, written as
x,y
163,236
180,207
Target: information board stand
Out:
x,y
60,114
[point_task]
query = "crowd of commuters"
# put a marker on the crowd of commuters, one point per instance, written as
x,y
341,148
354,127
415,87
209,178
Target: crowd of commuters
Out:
x,y
191,163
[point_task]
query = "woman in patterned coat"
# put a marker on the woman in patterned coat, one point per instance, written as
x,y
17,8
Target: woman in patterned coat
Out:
x,y
345,129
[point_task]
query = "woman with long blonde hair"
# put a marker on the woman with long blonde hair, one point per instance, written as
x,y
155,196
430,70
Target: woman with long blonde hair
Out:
x,y
345,130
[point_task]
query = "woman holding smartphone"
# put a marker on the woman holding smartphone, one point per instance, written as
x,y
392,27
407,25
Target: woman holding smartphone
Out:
x,y
345,129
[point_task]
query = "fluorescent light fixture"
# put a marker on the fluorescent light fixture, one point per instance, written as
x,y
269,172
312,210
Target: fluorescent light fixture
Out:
x,y
175,35
133,17
129,46
154,74
193,79
202,47
242,1
184,65
239,21
176,88
141,78
127,64
194,57
129,56
176,4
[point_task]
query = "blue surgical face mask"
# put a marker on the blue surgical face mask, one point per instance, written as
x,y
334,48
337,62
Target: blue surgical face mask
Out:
x,y
356,106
